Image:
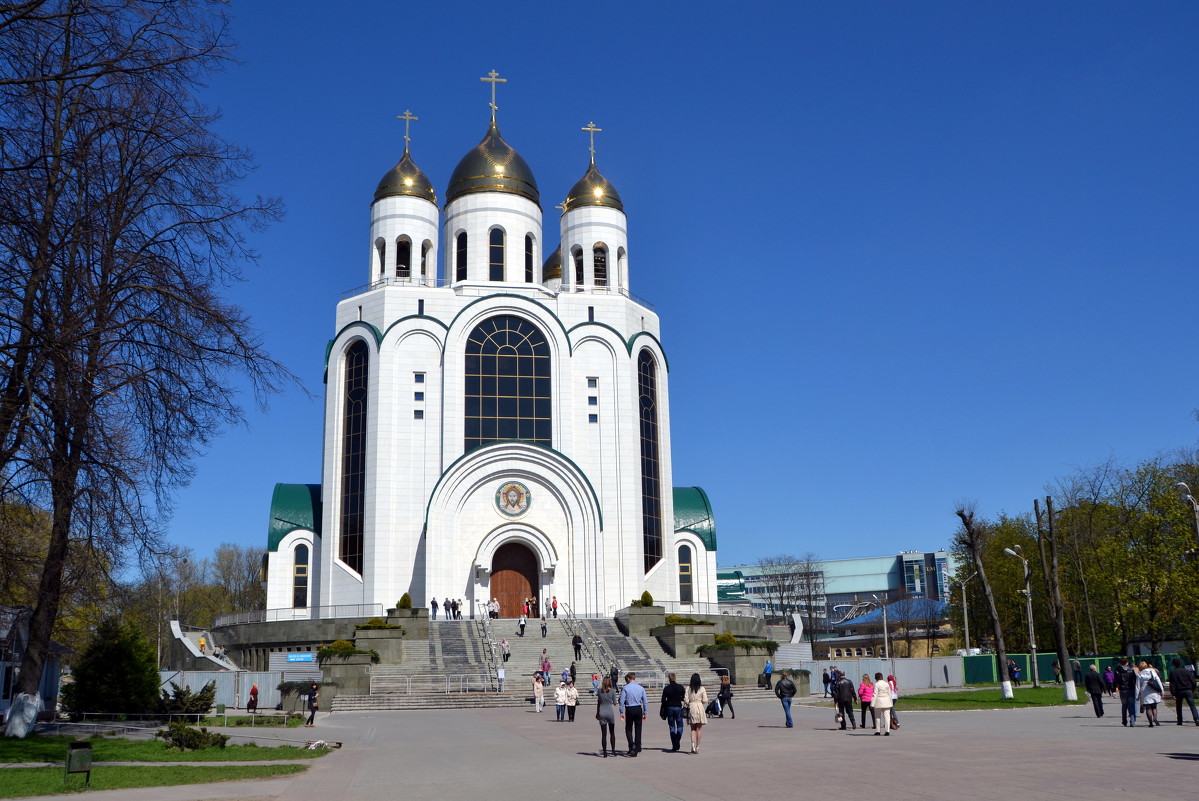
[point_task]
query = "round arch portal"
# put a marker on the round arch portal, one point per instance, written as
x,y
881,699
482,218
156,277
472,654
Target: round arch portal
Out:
x,y
514,577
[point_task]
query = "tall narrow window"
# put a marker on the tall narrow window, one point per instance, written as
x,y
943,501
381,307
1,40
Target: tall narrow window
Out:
x,y
507,383
353,456
403,257
299,584
576,253
528,258
599,254
496,255
686,589
651,475
425,248
381,253
460,274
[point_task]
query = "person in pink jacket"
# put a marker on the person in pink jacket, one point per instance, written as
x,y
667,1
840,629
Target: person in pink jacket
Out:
x,y
866,694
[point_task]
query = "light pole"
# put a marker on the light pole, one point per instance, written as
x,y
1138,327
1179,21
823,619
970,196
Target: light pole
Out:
x,y
886,636
1027,591
1185,492
966,612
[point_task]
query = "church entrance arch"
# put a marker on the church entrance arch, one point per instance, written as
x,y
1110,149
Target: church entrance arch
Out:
x,y
513,577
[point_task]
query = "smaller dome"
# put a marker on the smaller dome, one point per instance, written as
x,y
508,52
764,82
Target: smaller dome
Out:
x,y
593,189
493,166
406,178
553,266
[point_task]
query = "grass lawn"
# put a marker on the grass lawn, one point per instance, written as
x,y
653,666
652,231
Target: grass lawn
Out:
x,y
16,782
293,721
54,749
988,698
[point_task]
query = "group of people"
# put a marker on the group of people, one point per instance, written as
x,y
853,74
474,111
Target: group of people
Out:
x,y
1141,686
453,609
680,706
877,696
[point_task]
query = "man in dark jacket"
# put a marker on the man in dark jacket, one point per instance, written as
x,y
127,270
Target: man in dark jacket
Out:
x,y
1182,685
1126,683
785,690
577,642
846,695
673,695
1095,688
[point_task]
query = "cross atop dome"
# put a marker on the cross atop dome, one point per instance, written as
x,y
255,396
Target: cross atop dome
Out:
x,y
590,128
407,117
493,78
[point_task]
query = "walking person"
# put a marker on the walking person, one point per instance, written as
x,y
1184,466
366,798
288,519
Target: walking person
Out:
x,y
521,630
433,607
533,607
866,693
577,642
673,697
826,680
560,701
538,693
845,696
605,713
767,671
1095,688
573,672
1126,683
544,665
882,705
1182,687
1149,691
505,649
697,704
543,628
785,691
614,674
725,696
634,708
572,699
554,606
313,706
1109,680
894,698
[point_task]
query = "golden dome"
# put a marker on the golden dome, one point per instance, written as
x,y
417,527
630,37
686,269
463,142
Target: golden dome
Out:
x,y
593,189
493,166
553,266
406,178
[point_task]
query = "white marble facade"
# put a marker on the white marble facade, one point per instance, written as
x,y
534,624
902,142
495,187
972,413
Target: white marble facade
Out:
x,y
431,520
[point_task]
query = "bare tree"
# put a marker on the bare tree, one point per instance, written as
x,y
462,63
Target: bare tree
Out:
x,y
780,582
970,538
1047,539
118,223
810,594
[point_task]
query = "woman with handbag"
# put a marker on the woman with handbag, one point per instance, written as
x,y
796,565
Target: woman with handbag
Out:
x,y
605,713
894,697
882,705
697,702
725,696
1149,692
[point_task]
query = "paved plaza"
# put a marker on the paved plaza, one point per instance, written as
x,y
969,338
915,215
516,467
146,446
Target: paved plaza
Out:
x,y
497,754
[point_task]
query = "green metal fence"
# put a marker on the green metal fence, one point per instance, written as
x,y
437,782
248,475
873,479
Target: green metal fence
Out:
x,y
984,668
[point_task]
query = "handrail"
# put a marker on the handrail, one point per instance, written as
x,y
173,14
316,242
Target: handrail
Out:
x,y
316,613
489,656
465,679
574,626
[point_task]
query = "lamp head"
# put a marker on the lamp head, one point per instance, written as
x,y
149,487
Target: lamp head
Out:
x,y
1013,553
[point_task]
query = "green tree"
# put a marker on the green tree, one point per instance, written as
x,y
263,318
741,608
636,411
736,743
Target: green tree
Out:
x,y
116,674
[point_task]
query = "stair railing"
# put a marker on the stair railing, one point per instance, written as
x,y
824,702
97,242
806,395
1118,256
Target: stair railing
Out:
x,y
489,654
593,646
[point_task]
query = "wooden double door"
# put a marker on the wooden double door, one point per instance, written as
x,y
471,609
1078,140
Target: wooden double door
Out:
x,y
514,577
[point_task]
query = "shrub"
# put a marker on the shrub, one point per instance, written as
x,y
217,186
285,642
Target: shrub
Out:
x,y
183,700
727,640
405,602
342,648
378,623
189,738
724,638
679,620
647,599
117,672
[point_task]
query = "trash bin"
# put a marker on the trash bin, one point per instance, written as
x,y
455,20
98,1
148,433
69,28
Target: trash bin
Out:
x,y
79,760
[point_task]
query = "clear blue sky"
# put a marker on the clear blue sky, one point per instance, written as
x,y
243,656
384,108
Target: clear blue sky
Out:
x,y
903,253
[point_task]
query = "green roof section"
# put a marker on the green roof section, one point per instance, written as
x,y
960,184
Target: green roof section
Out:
x,y
693,512
730,587
293,507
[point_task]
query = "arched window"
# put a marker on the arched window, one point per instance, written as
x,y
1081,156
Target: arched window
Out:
x,y
686,590
599,255
651,468
353,456
576,253
381,253
403,257
507,383
496,258
460,274
528,258
299,593
425,248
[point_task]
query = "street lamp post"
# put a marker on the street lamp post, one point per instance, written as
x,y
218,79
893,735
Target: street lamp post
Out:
x,y
1016,551
1185,492
886,636
966,612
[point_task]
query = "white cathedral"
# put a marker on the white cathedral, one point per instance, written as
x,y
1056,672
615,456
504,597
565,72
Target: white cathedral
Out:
x,y
500,430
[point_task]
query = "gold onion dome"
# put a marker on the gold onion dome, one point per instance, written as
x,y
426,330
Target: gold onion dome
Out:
x,y
493,166
593,189
406,178
553,265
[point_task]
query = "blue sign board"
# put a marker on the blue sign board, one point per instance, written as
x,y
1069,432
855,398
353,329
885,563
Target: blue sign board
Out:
x,y
301,657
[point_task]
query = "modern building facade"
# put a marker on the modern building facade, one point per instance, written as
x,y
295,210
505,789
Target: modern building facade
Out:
x,y
497,411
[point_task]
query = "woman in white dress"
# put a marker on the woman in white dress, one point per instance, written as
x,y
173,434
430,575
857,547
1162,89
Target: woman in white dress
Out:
x,y
1149,692
697,703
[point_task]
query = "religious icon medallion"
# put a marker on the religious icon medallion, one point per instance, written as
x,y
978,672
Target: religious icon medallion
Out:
x,y
512,499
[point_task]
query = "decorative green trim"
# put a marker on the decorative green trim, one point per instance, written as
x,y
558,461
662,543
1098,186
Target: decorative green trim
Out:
x,y
329,348
594,496
628,343
415,317
655,339
693,512
294,507
538,304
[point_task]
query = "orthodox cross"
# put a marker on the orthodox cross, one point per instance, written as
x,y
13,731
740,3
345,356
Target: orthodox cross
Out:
x,y
493,78
590,128
407,117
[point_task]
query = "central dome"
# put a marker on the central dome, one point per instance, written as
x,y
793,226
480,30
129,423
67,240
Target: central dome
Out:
x,y
493,166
